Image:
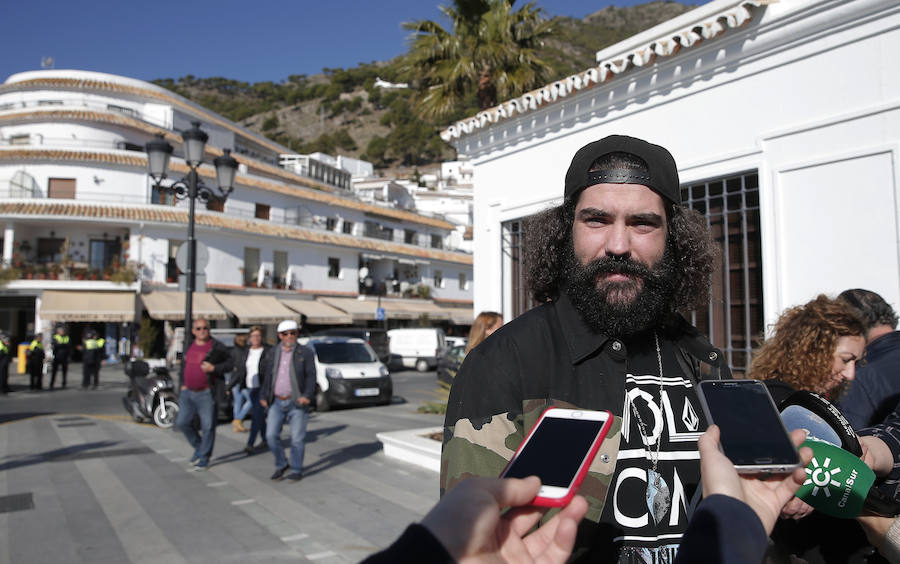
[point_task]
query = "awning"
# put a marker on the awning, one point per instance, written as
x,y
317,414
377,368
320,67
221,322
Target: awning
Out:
x,y
364,310
58,305
460,315
317,312
256,309
169,306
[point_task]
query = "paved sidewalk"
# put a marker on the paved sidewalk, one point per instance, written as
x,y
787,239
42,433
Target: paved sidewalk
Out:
x,y
103,489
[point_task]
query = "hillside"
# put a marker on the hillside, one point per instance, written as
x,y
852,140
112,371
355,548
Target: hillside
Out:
x,y
341,111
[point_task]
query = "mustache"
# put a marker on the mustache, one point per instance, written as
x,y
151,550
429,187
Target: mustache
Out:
x,y
617,265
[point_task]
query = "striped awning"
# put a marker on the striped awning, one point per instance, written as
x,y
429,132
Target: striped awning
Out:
x,y
256,309
169,306
460,315
318,313
364,309
59,305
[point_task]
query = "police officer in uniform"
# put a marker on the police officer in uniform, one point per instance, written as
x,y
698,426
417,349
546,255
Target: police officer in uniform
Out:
x,y
93,355
35,362
61,350
5,358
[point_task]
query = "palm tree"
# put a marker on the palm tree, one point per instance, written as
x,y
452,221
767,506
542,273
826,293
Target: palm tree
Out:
x,y
491,52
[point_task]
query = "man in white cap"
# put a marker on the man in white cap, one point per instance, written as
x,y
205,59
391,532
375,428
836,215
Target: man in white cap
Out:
x,y
289,382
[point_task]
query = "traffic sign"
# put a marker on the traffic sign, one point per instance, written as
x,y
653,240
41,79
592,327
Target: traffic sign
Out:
x,y
379,314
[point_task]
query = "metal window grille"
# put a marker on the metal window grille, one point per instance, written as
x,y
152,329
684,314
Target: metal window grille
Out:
x,y
734,316
512,246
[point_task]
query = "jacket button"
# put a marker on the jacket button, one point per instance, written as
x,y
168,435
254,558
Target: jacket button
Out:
x,y
713,355
616,346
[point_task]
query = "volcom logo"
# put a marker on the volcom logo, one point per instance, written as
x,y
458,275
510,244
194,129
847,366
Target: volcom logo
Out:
x,y
689,416
821,476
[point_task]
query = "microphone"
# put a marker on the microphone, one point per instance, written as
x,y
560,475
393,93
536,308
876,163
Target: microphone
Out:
x,y
837,482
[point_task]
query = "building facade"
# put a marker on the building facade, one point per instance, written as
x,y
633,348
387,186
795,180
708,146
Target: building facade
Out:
x,y
784,119
81,219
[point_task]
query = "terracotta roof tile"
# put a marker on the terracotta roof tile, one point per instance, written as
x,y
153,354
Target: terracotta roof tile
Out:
x,y
171,215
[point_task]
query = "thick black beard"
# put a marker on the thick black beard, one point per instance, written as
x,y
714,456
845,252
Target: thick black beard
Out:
x,y
650,307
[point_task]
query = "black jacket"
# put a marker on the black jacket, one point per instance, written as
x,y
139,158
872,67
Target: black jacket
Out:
x,y
304,367
219,357
239,372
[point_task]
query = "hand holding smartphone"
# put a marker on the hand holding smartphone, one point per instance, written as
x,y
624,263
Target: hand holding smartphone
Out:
x,y
559,450
753,435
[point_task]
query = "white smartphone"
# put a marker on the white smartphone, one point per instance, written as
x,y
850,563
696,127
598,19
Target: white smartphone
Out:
x,y
559,450
752,435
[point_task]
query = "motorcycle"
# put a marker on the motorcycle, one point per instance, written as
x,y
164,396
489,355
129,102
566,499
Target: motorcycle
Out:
x,y
151,395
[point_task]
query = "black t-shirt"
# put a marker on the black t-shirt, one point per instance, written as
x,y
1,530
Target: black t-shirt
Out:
x,y
677,417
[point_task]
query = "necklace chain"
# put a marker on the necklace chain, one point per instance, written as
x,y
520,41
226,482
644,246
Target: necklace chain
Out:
x,y
644,435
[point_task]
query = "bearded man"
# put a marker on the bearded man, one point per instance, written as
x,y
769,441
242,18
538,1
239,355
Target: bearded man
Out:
x,y
612,265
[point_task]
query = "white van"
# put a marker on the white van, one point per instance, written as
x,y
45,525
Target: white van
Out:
x,y
417,347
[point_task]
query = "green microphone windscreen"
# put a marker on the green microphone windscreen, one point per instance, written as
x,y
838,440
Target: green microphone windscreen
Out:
x,y
837,482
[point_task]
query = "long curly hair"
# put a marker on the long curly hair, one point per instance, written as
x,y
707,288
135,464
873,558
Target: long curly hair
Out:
x,y
800,351
548,241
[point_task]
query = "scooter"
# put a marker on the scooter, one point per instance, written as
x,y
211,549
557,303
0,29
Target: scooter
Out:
x,y
151,395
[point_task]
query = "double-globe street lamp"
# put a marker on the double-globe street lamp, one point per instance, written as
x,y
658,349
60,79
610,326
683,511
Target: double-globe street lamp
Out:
x,y
190,187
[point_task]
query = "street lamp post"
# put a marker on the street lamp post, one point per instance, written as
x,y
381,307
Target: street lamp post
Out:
x,y
190,187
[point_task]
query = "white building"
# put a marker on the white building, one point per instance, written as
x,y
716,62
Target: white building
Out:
x,y
784,119
73,168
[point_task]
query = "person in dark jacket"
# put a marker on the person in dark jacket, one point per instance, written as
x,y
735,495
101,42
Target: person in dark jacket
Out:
x,y
205,362
240,396
6,357
35,362
289,384
91,358
246,374
61,349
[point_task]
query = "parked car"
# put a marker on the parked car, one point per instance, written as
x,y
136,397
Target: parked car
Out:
x,y
417,348
449,363
456,341
348,372
377,338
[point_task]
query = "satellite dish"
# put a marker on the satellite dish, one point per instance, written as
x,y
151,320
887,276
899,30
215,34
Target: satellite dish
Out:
x,y
22,185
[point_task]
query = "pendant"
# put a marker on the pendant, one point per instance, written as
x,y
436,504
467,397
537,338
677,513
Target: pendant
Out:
x,y
658,496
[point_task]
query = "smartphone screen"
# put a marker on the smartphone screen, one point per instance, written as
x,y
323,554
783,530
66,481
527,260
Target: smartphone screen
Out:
x,y
556,450
752,433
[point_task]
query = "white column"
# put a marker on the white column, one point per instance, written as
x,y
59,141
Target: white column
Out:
x,y
9,234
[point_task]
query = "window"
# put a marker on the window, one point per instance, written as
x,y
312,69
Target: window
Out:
x,y
262,211
162,196
463,283
122,110
409,236
334,268
512,250
438,279
734,316
437,242
330,223
22,139
251,266
171,266
103,251
61,188
49,250
348,227
279,270
215,204
50,102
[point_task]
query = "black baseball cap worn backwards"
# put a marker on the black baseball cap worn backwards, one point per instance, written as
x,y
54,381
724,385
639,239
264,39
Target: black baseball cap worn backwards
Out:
x,y
662,177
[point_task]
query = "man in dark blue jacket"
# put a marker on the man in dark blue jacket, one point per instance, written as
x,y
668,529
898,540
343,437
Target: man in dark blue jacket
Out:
x,y
289,382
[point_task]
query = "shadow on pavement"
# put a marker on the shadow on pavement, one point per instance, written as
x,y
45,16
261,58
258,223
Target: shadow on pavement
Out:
x,y
69,453
339,456
10,417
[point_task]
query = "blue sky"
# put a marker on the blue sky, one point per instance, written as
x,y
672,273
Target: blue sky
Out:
x,y
253,41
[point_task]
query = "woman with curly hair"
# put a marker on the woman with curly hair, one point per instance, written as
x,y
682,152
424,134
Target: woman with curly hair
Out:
x,y
814,347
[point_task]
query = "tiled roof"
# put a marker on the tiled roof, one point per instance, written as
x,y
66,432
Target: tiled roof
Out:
x,y
172,215
122,120
139,160
664,46
58,83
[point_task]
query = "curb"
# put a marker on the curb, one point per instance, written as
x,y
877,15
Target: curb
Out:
x,y
413,446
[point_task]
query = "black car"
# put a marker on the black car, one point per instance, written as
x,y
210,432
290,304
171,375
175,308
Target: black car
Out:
x,y
377,338
449,362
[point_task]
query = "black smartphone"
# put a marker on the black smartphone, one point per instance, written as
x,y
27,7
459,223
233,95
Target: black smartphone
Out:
x,y
752,434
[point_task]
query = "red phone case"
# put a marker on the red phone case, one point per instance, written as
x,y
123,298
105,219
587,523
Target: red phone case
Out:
x,y
582,470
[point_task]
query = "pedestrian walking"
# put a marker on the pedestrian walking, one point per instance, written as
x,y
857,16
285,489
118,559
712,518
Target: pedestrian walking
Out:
x,y
34,362
61,349
246,371
91,358
289,382
5,358
205,361
240,405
